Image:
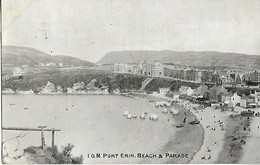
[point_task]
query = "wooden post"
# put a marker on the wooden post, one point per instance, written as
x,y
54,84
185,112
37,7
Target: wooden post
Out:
x,y
52,142
42,136
40,128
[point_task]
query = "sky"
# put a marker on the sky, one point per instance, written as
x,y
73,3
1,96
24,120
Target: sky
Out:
x,y
88,29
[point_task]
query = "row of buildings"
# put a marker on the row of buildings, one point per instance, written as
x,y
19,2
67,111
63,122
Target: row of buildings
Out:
x,y
158,69
252,76
216,94
146,68
204,75
189,74
185,73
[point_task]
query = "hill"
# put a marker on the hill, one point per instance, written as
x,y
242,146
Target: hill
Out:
x,y
208,58
18,56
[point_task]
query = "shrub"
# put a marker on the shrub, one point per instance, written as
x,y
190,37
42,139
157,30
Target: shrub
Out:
x,y
64,156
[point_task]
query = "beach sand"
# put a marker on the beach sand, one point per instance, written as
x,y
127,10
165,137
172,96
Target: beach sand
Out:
x,y
212,148
213,139
187,139
251,152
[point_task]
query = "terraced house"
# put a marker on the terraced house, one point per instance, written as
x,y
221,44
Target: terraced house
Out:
x,y
252,76
145,68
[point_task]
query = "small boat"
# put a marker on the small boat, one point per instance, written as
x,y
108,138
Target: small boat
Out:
x,y
125,113
194,122
26,108
129,116
180,126
134,116
142,116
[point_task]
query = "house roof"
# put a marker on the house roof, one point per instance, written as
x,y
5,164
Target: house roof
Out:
x,y
228,94
185,87
246,97
227,102
165,88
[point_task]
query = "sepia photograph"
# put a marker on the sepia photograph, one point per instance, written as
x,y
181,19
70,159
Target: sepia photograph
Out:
x,y
130,81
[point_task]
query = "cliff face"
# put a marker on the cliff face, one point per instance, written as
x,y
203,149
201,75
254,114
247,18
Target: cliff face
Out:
x,y
209,58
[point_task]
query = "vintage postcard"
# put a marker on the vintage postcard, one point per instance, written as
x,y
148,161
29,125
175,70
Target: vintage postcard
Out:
x,y
130,82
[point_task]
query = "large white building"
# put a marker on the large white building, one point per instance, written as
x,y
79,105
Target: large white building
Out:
x,y
145,68
158,69
121,68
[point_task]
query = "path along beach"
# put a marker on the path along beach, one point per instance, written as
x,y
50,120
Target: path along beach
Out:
x,y
251,153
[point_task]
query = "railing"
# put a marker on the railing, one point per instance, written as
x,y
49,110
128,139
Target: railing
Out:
x,y
40,128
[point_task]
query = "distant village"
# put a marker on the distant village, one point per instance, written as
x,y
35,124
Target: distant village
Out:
x,y
213,83
191,74
217,94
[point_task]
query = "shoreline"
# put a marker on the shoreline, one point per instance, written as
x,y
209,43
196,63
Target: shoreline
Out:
x,y
187,140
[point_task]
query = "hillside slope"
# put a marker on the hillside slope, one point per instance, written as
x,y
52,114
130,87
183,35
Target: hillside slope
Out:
x,y
210,58
18,56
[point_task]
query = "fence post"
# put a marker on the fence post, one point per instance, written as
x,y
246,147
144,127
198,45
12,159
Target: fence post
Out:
x,y
52,143
42,136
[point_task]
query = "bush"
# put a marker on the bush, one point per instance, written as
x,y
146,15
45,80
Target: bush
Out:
x,y
64,156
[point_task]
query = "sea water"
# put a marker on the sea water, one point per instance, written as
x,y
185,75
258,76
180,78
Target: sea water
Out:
x,y
93,123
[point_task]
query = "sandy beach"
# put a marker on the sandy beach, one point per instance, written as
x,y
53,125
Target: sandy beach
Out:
x,y
251,152
187,139
213,133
